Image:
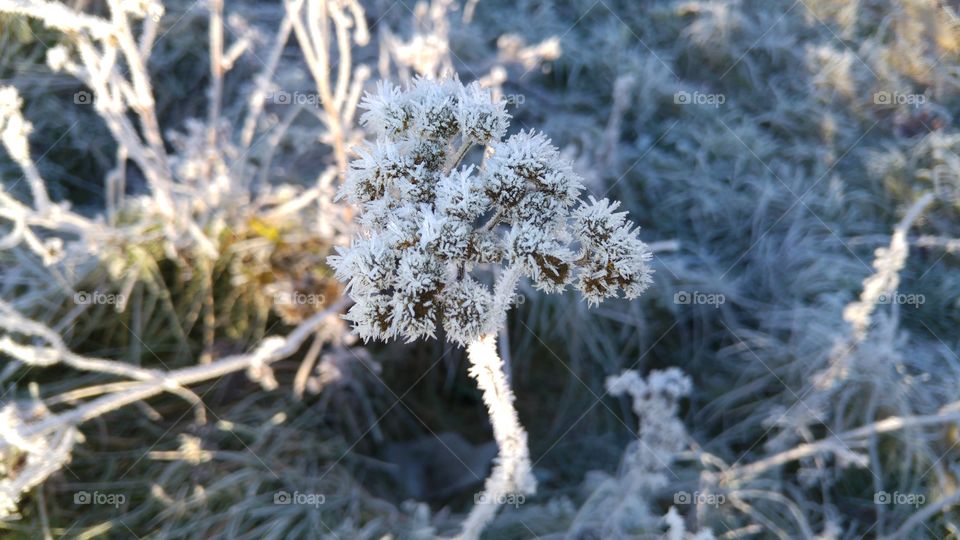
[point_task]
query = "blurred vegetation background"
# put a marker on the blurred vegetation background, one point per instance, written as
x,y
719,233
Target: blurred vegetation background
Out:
x,y
766,147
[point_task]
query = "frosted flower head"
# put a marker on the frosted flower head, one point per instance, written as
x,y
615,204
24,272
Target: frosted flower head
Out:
x,y
481,119
614,258
460,196
434,106
466,304
658,393
431,228
380,166
387,110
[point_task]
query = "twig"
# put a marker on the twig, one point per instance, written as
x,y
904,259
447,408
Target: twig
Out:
x,y
926,513
270,350
512,473
840,442
306,366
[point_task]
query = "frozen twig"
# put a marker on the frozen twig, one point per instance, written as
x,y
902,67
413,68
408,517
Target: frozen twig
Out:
x,y
512,473
888,264
841,442
270,350
315,41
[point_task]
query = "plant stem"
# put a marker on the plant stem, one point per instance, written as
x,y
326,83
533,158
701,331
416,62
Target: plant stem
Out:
x,y
512,475
458,157
270,350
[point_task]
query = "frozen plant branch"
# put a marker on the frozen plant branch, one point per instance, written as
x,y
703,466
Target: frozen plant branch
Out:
x,y
841,443
512,472
59,16
431,231
47,438
13,133
256,362
338,97
41,455
621,506
888,264
199,185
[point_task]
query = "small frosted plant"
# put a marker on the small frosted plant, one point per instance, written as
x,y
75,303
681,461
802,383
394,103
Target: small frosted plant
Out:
x,y
443,245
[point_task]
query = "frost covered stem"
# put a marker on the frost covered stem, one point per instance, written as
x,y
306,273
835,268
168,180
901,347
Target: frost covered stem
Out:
x,y
842,442
216,72
494,220
268,351
458,157
314,36
512,472
888,264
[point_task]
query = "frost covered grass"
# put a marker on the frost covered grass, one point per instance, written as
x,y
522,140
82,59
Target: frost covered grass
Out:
x,y
791,371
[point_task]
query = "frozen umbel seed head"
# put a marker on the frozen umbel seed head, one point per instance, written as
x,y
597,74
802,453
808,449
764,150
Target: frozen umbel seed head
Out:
x,y
429,223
